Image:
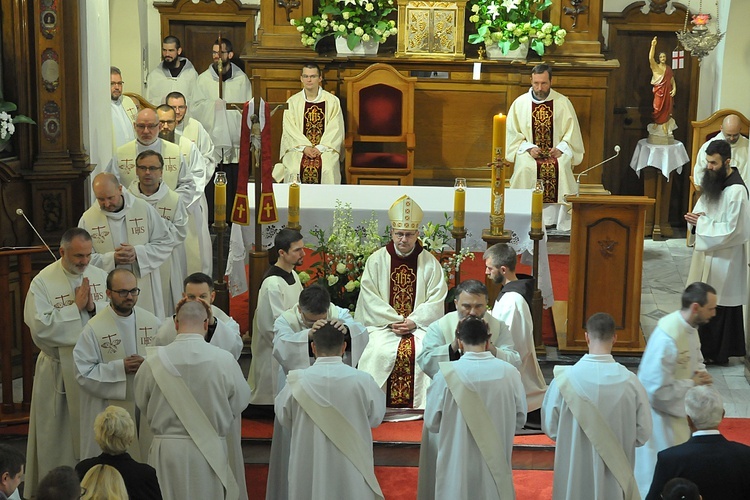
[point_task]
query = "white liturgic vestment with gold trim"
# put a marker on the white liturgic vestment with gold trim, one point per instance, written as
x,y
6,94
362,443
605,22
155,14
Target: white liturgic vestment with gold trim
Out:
x,y
100,369
294,141
375,312
55,323
580,471
198,246
214,379
176,173
173,271
137,224
292,352
566,136
124,111
461,470
672,356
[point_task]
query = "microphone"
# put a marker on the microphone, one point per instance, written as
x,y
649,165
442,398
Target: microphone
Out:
x,y
617,153
19,211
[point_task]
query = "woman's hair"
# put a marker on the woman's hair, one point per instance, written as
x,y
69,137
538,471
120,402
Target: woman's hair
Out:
x,y
114,430
103,482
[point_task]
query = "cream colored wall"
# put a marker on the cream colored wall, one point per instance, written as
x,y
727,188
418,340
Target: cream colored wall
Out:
x,y
718,90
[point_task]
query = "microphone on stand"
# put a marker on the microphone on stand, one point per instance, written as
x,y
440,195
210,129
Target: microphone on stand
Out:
x,y
19,211
578,176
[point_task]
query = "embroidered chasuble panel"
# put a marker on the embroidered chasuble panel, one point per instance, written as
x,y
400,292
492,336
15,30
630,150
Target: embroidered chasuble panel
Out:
x,y
400,386
314,125
542,124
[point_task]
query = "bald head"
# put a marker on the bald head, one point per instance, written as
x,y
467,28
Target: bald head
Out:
x,y
108,192
192,317
730,127
146,126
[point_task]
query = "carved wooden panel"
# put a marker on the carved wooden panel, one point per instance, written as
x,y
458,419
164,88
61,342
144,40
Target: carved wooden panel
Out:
x,y
431,29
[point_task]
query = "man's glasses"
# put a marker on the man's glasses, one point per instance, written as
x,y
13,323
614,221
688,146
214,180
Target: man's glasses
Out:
x,y
148,169
124,293
144,126
115,84
404,236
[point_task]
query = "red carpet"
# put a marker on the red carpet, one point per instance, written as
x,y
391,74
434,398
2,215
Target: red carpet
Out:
x,y
471,269
400,483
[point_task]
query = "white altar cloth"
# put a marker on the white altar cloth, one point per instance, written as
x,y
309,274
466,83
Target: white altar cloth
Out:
x,y
318,202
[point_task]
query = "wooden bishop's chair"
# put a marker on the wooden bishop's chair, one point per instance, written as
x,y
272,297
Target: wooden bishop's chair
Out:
x,y
380,139
704,130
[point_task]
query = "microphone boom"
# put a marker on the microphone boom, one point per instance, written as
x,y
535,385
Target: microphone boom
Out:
x,y
19,211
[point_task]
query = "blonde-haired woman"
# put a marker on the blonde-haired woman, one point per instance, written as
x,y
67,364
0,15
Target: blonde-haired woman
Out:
x,y
114,431
103,482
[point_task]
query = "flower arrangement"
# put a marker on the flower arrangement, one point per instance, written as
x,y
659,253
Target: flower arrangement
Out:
x,y
510,23
342,255
7,122
357,20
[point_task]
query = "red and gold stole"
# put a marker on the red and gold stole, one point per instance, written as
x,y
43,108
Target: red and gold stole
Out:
x,y
313,126
546,166
400,386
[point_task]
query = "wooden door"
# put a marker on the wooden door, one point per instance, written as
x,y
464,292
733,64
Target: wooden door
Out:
x,y
630,98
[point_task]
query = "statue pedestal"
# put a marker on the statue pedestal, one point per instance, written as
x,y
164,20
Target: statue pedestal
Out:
x,y
661,134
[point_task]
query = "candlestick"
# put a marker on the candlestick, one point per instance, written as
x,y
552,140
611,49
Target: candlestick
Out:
x,y
497,208
498,136
220,197
294,201
536,206
459,203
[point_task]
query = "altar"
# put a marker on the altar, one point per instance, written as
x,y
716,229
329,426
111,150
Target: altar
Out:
x,y
318,201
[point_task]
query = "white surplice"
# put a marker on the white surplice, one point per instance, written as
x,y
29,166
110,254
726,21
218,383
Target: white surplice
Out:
x,y
102,380
226,336
580,472
440,334
274,297
721,237
666,393
294,141
291,352
375,312
236,89
55,328
566,136
461,471
216,382
740,152
511,308
160,82
123,116
168,204
330,474
149,257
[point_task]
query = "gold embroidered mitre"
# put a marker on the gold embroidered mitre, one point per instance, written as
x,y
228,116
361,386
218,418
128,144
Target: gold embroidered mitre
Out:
x,y
405,214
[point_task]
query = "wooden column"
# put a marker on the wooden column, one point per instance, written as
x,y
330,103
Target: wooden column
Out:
x,y
582,19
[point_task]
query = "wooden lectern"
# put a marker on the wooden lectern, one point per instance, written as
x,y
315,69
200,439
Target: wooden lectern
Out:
x,y
606,260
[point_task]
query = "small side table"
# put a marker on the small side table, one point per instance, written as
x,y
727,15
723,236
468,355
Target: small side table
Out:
x,y
655,159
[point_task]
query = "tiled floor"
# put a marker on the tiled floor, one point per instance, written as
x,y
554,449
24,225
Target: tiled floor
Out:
x,y
665,268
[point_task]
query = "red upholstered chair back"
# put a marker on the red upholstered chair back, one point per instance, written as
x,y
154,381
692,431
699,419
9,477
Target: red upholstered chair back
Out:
x,y
380,110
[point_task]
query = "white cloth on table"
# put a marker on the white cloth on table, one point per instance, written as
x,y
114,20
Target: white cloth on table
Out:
x,y
664,157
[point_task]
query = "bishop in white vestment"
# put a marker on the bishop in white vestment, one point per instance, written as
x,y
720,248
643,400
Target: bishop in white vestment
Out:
x,y
128,232
671,364
61,300
191,393
313,135
402,292
474,405
324,406
108,354
596,385
543,140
